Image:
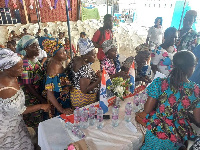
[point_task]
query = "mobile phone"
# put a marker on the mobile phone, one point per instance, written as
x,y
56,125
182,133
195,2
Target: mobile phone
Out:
x,y
104,116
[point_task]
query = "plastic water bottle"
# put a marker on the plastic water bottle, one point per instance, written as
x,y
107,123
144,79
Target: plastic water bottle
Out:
x,y
77,117
92,115
75,130
115,116
84,118
99,118
128,110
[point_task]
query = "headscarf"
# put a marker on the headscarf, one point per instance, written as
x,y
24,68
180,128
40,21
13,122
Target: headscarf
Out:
x,y
8,59
85,46
41,39
107,45
25,41
51,46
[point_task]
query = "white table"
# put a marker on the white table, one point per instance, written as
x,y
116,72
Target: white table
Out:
x,y
53,135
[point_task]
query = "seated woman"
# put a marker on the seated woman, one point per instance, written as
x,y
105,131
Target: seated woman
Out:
x,y
110,61
161,57
84,80
144,72
169,101
14,133
57,84
32,79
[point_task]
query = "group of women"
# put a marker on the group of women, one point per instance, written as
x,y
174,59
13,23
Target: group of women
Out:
x,y
31,92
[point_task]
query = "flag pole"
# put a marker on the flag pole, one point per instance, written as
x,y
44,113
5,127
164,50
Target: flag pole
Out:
x,y
182,15
68,25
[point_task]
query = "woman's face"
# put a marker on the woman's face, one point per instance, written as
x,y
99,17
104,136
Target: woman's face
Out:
x,y
171,40
158,22
16,70
112,53
32,50
11,47
61,54
91,56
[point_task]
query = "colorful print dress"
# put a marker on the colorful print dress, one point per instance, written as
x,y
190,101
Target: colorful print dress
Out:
x,y
188,41
108,65
32,74
169,120
58,84
163,59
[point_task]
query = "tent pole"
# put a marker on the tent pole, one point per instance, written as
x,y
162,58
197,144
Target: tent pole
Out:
x,y
68,25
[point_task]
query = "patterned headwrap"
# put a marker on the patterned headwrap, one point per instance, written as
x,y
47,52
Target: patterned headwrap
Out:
x,y
51,46
25,41
85,46
107,45
8,59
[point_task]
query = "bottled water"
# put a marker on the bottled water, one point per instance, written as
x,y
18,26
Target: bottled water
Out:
x,y
99,118
75,130
128,110
92,115
84,118
115,116
77,117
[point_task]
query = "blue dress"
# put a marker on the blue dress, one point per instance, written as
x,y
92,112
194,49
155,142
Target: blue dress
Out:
x,y
196,75
57,84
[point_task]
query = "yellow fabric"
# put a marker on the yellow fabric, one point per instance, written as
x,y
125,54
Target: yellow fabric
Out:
x,y
79,99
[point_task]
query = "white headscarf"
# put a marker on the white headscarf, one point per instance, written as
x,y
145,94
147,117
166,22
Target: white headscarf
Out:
x,y
8,59
107,45
85,46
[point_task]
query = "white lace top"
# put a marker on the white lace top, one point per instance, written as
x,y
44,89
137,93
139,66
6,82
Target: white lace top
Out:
x,y
13,131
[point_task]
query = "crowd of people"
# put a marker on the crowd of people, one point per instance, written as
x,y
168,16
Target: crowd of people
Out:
x,y
40,80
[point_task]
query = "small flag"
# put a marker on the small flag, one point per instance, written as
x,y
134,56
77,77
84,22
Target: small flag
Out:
x,y
105,81
132,77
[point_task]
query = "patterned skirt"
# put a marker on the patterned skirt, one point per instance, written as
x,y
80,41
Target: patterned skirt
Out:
x,y
154,143
79,99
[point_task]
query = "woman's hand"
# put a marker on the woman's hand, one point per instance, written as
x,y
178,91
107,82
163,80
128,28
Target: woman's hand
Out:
x,y
67,111
122,74
45,107
99,74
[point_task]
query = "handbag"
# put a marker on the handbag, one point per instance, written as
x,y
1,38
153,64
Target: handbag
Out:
x,y
139,117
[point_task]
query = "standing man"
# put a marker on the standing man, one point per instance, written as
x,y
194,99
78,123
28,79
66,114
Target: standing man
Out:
x,y
104,33
187,38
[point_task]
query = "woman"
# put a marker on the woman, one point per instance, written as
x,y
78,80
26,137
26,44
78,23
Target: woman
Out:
x,y
84,80
155,33
161,57
187,37
57,84
32,79
110,62
14,133
144,72
195,76
169,101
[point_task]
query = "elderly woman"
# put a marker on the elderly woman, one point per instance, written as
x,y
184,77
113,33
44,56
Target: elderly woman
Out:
x,y
110,62
31,79
84,80
57,84
168,105
14,133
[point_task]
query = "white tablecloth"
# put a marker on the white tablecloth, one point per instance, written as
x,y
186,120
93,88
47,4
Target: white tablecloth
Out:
x,y
53,135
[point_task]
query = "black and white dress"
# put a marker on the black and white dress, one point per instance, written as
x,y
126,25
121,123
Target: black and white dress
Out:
x,y
13,131
84,72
